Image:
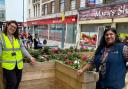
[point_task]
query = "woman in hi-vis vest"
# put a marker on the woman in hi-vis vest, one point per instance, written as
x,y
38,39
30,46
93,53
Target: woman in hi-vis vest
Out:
x,y
11,55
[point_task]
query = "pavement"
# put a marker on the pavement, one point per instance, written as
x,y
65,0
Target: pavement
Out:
x,y
57,44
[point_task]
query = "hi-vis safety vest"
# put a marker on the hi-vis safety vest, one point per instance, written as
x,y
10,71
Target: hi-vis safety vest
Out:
x,y
8,60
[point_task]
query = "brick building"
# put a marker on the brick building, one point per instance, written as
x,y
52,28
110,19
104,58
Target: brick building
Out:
x,y
57,19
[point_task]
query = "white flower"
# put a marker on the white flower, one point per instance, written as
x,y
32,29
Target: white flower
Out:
x,y
76,62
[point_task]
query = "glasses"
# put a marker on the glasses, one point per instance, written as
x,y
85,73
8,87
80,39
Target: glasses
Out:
x,y
14,27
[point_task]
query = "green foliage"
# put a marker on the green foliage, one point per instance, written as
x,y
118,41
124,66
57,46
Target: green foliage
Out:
x,y
71,56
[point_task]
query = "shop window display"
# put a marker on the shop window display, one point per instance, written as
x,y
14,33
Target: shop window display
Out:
x,y
88,40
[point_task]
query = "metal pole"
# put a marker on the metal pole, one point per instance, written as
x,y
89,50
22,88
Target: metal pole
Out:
x,y
23,15
63,29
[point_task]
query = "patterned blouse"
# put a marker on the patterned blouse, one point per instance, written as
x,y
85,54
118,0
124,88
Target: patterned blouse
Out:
x,y
105,54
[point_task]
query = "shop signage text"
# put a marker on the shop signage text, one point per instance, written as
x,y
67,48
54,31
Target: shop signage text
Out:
x,y
113,11
70,19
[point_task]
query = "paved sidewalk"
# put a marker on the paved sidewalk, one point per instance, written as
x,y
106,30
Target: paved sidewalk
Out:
x,y
56,43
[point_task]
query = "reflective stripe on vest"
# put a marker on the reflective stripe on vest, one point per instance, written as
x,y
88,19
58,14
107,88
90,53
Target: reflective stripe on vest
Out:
x,y
9,61
8,49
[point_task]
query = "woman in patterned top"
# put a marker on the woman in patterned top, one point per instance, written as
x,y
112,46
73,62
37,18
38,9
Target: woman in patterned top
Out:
x,y
110,61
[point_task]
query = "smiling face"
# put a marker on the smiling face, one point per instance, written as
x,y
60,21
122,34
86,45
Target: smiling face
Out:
x,y
110,37
11,28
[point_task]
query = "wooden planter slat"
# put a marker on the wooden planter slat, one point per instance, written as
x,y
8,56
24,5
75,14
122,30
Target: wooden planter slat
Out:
x,y
54,75
65,69
67,77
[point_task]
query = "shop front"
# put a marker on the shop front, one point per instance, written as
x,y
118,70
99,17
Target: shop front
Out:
x,y
92,22
55,29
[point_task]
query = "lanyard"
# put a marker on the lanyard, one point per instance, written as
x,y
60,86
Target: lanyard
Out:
x,y
12,42
104,55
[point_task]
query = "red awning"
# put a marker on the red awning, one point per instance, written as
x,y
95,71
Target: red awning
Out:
x,y
70,19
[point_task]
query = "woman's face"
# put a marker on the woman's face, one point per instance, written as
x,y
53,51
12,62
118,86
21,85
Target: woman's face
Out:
x,y
11,28
110,37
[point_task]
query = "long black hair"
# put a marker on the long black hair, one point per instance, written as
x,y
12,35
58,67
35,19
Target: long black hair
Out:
x,y
103,41
16,34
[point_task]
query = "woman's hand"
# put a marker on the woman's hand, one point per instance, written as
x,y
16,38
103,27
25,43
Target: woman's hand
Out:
x,y
33,60
80,72
85,68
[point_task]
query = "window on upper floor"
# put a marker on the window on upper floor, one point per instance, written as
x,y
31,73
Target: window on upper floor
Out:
x,y
38,10
62,5
99,1
73,5
34,8
53,6
43,12
114,1
29,12
82,3
29,2
44,9
33,1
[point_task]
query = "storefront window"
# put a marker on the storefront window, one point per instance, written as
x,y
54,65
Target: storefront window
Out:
x,y
42,30
56,31
122,30
89,34
71,33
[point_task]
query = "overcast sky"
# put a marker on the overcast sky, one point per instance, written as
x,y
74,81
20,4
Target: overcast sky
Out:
x,y
14,10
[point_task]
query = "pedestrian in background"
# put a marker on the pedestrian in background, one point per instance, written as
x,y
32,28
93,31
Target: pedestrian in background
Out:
x,y
126,40
11,52
29,41
110,61
37,43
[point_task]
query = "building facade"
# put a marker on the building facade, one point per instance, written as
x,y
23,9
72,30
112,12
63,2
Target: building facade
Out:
x,y
65,20
53,19
93,21
2,13
2,10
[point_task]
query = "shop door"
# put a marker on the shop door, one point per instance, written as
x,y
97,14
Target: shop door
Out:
x,y
100,34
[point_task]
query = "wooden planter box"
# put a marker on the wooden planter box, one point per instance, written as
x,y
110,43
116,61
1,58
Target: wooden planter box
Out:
x,y
66,78
54,75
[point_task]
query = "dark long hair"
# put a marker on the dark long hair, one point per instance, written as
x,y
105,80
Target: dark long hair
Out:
x,y
16,34
103,42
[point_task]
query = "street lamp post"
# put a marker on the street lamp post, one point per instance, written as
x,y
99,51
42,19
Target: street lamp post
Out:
x,y
23,15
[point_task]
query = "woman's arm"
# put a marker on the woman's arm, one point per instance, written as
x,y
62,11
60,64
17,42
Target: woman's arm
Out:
x,y
85,68
27,54
125,52
0,48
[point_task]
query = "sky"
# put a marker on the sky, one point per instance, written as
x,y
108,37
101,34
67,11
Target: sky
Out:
x,y
14,10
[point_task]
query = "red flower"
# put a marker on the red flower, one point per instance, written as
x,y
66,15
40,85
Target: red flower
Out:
x,y
84,57
69,53
54,50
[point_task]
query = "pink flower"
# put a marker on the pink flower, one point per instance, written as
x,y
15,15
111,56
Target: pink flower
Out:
x,y
54,50
84,47
84,57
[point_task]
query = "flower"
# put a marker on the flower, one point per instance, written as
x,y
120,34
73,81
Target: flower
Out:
x,y
76,62
84,57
